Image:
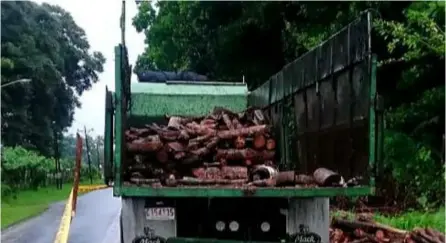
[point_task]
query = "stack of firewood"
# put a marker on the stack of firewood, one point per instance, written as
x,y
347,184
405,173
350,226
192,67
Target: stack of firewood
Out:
x,y
365,230
222,148
216,149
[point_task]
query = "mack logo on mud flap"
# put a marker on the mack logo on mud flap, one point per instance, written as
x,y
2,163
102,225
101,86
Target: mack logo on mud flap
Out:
x,y
149,237
304,236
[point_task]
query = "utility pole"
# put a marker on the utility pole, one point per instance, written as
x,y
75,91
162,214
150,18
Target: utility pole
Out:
x,y
58,175
97,155
88,155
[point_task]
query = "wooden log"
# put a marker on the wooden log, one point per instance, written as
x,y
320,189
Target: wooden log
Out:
x,y
176,146
197,129
236,123
270,144
235,154
354,224
234,172
326,177
242,132
244,154
240,142
162,155
227,121
149,144
259,141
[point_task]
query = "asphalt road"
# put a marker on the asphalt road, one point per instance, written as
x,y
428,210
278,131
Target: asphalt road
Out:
x,y
96,220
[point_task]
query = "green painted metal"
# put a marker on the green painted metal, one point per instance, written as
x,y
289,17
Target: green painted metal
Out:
x,y
372,120
184,88
158,99
201,240
108,136
119,137
134,191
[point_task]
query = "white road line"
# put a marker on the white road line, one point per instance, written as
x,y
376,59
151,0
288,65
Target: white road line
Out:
x,y
113,232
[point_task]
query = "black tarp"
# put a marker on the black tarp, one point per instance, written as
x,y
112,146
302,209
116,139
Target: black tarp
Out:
x,y
161,76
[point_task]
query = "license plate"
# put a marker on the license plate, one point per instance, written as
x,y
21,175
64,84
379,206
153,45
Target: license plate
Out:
x,y
161,213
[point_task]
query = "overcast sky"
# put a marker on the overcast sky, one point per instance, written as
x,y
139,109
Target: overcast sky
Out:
x,y
100,20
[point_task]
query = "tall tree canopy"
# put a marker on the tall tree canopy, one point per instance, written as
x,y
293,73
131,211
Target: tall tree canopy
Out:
x,y
43,43
226,40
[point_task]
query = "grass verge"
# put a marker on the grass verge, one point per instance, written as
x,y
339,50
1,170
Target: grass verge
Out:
x,y
410,220
29,203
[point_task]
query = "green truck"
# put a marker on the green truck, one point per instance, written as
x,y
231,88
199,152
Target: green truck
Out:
x,y
325,113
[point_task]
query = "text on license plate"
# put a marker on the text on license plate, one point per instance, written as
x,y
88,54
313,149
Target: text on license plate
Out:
x,y
160,213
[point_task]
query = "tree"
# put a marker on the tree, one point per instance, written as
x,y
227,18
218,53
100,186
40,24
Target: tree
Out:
x,y
43,43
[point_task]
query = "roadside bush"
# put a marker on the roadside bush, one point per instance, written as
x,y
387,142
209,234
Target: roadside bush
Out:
x,y
26,169
411,173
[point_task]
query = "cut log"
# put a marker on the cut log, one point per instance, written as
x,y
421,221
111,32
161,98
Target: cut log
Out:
x,y
236,123
270,144
227,121
240,142
242,132
149,144
162,155
259,141
326,177
176,146
367,225
235,154
201,139
197,129
234,172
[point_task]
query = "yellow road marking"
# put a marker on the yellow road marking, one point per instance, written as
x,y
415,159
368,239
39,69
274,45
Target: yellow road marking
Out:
x,y
65,221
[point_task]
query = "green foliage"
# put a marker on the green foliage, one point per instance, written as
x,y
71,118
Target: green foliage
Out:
x,y
22,168
43,43
410,220
421,34
25,169
225,40
407,220
415,107
418,173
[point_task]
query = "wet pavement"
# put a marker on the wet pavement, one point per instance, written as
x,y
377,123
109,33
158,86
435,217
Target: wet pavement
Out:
x,y
96,220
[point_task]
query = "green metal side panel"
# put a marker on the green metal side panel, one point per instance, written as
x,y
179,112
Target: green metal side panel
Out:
x,y
158,99
157,105
323,106
118,121
185,88
134,191
373,137
108,137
